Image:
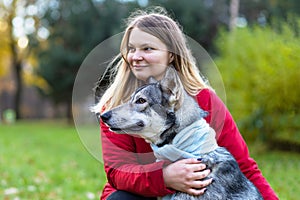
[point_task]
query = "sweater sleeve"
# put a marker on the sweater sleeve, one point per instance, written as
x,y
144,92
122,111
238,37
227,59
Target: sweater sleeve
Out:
x,y
123,167
228,136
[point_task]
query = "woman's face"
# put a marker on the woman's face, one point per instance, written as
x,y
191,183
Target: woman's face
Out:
x,y
147,55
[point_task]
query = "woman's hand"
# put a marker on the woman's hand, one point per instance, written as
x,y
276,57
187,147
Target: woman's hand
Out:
x,y
185,176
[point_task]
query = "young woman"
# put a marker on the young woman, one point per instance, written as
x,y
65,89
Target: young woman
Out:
x,y
152,42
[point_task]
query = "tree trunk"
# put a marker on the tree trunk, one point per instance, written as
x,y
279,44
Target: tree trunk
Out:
x,y
234,13
19,89
16,63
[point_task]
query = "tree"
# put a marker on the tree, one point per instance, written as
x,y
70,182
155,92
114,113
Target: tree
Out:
x,y
200,19
70,25
20,21
262,94
76,27
4,48
234,13
16,53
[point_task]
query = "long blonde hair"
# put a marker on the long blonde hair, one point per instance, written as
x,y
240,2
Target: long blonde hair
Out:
x,y
157,23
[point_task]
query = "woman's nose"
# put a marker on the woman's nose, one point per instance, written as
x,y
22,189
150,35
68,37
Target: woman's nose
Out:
x,y
137,56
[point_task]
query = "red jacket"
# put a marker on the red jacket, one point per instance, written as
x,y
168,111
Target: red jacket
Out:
x,y
130,164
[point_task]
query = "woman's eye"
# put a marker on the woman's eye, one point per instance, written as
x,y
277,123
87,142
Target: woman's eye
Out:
x,y
130,49
140,101
148,48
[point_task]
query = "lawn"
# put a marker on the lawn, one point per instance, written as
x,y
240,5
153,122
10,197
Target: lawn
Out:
x,y
281,169
46,160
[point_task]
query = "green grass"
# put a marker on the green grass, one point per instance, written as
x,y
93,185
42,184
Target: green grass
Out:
x,y
46,160
281,169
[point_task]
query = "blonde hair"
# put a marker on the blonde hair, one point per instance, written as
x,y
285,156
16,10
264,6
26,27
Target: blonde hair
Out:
x,y
157,23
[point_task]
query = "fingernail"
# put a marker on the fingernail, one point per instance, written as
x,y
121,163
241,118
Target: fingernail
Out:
x,y
199,159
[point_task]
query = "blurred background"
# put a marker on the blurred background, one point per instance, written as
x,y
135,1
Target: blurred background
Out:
x,y
255,45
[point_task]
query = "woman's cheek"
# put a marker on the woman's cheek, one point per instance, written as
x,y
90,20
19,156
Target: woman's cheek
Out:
x,y
129,58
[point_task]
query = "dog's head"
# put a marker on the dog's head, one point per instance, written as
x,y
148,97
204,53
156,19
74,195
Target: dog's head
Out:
x,y
150,111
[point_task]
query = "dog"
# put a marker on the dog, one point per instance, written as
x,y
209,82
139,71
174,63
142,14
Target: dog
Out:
x,y
172,122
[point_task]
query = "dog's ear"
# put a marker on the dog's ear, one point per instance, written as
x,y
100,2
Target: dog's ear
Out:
x,y
172,88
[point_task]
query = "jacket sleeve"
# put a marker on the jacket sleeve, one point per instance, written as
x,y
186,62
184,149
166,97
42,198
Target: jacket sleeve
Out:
x,y
228,136
123,169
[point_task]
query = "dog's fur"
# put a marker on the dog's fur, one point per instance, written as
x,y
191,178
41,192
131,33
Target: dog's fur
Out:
x,y
159,110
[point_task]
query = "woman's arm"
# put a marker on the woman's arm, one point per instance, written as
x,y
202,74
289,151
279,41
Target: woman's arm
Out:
x,y
124,169
228,136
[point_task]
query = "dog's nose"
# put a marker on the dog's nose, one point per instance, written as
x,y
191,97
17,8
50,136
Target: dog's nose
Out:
x,y
106,116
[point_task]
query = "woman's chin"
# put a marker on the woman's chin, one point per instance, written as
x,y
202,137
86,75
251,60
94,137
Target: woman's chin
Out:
x,y
141,76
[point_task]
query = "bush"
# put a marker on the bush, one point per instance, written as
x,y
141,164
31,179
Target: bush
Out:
x,y
261,72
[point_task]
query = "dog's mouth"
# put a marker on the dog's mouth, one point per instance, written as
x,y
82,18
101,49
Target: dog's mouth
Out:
x,y
138,126
115,129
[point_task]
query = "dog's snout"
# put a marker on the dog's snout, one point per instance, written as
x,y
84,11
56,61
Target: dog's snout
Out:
x,y
106,116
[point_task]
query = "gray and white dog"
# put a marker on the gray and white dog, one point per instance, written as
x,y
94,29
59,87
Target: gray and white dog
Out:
x,y
172,122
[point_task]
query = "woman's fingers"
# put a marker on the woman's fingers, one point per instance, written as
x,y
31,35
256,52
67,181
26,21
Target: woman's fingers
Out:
x,y
193,164
198,187
195,192
187,176
199,184
201,174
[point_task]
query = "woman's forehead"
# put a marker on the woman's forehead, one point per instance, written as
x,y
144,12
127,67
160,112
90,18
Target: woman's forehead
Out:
x,y
139,37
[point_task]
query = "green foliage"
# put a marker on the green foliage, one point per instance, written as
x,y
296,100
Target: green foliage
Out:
x,y
73,35
4,49
200,20
76,28
261,73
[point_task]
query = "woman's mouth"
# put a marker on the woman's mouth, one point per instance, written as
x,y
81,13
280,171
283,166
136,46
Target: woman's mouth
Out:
x,y
138,66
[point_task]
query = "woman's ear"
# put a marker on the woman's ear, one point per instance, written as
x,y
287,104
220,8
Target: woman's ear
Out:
x,y
171,57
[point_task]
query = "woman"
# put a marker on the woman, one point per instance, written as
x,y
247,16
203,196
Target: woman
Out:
x,y
152,42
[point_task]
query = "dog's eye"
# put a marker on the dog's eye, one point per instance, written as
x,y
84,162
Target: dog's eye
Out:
x,y
140,101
